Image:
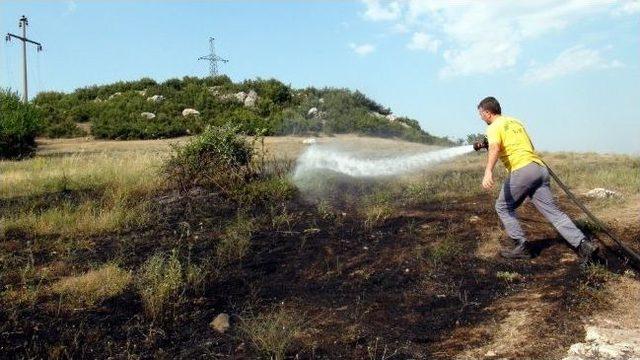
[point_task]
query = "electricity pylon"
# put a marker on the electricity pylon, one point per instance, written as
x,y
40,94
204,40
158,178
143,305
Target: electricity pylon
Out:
x,y
23,24
213,59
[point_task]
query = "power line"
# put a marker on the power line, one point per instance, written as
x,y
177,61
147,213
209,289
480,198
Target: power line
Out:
x,y
213,59
23,23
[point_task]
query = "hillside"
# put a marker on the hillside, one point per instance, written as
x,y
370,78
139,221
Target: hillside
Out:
x,y
145,109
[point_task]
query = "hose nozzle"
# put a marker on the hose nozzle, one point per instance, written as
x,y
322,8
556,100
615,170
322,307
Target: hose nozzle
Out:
x,y
482,143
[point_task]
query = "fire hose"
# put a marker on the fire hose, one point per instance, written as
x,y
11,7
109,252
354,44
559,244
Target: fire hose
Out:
x,y
630,254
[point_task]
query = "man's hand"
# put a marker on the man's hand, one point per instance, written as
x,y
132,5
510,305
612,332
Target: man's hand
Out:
x,y
487,181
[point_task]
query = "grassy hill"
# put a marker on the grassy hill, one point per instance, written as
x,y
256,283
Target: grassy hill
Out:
x,y
112,249
145,109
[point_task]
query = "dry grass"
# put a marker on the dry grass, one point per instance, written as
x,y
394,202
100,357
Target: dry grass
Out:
x,y
93,193
272,333
93,287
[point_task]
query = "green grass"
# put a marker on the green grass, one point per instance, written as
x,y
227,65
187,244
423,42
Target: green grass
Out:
x,y
159,281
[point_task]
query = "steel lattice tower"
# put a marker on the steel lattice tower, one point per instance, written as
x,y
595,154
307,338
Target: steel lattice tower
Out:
x,y
213,59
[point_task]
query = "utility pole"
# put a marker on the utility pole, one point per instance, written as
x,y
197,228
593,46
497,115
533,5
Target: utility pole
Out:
x,y
23,24
213,59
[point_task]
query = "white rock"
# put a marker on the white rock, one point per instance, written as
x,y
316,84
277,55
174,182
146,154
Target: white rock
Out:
x,y
474,219
377,114
220,323
97,100
142,92
250,100
391,117
115,94
227,97
309,141
312,112
148,115
187,112
156,98
321,100
601,193
592,333
240,96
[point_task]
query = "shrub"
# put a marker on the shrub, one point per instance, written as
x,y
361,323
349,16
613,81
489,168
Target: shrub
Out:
x,y
159,281
19,124
217,157
93,287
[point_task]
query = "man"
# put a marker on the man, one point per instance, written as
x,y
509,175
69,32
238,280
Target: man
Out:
x,y
528,177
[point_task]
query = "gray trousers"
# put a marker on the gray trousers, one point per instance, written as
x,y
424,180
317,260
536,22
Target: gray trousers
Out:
x,y
533,181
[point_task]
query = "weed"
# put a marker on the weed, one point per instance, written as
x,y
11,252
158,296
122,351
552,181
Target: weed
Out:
x,y
375,215
236,240
443,252
509,276
159,280
272,333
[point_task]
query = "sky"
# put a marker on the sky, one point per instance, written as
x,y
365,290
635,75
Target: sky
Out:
x,y
570,70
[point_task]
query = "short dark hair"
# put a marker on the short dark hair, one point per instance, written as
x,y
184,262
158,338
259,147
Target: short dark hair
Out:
x,y
490,104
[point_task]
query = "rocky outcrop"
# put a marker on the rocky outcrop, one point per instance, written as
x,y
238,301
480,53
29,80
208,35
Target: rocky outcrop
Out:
x,y
156,98
240,96
601,193
220,323
251,99
148,115
606,343
189,112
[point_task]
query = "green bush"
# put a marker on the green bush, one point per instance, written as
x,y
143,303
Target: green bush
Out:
x,y
19,124
279,110
217,157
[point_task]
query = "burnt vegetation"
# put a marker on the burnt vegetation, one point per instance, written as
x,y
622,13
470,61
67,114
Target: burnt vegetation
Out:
x,y
374,269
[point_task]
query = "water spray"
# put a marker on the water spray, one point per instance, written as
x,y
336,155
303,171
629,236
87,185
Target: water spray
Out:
x,y
318,158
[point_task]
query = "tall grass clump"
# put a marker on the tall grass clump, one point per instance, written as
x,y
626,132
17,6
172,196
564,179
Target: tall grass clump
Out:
x,y
272,333
159,281
19,124
236,240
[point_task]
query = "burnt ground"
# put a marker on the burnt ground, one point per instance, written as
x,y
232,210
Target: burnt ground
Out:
x,y
422,284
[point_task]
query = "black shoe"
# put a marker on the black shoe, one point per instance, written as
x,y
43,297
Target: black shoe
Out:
x,y
521,251
587,251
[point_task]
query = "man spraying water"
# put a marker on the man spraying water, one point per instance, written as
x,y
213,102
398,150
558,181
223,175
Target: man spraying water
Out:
x,y
508,140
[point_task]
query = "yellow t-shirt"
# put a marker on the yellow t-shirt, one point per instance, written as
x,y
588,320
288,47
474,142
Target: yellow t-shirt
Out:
x,y
516,149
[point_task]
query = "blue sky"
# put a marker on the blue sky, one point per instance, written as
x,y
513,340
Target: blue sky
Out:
x,y
569,69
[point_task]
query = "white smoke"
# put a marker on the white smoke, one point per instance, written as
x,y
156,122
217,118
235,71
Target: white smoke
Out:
x,y
316,158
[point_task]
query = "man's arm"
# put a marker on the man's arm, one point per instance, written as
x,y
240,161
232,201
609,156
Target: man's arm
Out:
x,y
492,159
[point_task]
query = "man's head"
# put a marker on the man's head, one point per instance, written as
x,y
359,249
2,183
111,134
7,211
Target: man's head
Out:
x,y
488,109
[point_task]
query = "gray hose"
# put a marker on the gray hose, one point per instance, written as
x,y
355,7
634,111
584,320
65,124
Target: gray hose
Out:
x,y
632,255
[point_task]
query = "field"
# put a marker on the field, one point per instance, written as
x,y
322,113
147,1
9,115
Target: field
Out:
x,y
104,255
